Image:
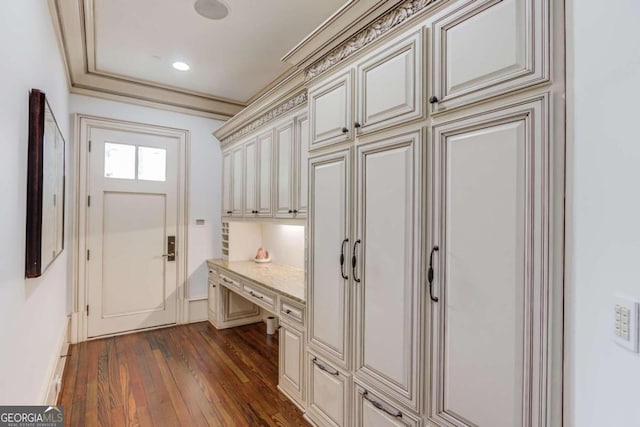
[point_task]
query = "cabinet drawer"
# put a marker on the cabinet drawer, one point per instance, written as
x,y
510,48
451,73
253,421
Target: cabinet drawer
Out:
x,y
291,312
328,393
227,281
390,85
260,296
372,410
463,75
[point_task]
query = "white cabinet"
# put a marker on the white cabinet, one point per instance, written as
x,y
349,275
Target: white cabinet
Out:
x,y
389,85
387,273
373,410
491,322
329,305
237,181
227,182
486,48
291,363
330,111
284,169
250,177
265,174
213,293
292,141
329,394
258,160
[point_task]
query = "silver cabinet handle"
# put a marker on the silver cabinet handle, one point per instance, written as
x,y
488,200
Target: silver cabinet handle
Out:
x,y
324,368
168,255
380,406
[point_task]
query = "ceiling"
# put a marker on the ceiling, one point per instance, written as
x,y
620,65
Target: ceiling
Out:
x,y
126,48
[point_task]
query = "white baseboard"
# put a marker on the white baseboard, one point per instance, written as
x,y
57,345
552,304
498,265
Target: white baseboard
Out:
x,y
50,391
198,310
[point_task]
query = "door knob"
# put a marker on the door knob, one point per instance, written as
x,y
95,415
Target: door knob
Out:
x,y
357,124
433,100
345,130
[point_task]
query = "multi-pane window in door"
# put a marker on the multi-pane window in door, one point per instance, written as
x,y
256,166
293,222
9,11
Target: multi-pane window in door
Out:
x,y
126,161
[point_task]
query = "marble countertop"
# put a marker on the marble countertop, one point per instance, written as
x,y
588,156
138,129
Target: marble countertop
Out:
x,y
286,280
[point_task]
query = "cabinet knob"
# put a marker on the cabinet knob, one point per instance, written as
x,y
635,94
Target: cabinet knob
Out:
x,y
295,211
433,100
357,125
229,212
290,211
345,130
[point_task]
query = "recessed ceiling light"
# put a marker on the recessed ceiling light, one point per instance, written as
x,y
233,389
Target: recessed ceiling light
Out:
x,y
211,9
181,66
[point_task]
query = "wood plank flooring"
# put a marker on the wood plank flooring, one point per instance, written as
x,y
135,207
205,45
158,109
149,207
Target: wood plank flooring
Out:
x,y
190,375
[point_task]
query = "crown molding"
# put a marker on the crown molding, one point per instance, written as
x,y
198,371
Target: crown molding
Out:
x,y
372,32
73,23
272,114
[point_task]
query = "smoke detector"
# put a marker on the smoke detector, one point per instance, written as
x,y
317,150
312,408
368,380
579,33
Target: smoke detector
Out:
x,y
211,9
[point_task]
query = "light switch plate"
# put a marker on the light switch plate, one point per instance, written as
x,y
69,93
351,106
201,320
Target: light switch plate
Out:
x,y
625,322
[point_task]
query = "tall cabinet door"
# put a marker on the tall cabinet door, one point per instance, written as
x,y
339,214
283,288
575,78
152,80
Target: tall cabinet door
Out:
x,y
329,290
491,225
265,174
387,272
250,177
302,168
227,178
284,170
237,188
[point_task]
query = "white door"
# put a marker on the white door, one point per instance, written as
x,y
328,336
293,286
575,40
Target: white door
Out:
x,y
302,167
387,270
132,217
490,321
329,286
237,186
330,111
226,184
250,177
284,170
265,181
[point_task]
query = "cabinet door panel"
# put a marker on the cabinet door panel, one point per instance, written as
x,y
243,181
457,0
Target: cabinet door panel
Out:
x,y
302,175
328,394
237,187
284,171
291,343
250,177
390,85
489,323
388,296
226,184
486,48
330,111
328,291
265,181
372,410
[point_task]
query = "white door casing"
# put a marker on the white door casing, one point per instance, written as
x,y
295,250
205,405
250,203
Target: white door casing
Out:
x,y
122,223
490,325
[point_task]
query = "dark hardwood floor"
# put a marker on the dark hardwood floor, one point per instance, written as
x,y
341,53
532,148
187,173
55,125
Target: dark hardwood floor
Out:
x,y
191,375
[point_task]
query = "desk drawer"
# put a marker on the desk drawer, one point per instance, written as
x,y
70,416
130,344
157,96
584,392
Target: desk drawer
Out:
x,y
260,296
291,312
227,281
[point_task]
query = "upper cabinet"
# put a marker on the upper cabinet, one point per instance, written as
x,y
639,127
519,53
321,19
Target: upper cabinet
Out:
x,y
487,48
266,176
330,109
389,85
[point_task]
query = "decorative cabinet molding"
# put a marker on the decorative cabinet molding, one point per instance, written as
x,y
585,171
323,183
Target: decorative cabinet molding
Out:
x,y
389,85
387,275
487,48
492,230
373,32
330,111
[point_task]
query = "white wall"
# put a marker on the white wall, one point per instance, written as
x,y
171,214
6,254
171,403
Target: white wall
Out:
x,y
603,208
205,176
32,312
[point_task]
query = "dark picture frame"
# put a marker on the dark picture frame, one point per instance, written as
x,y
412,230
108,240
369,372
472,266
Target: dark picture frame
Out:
x,y
46,175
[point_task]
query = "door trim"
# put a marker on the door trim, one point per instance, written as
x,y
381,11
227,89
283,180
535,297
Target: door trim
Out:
x,y
79,152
